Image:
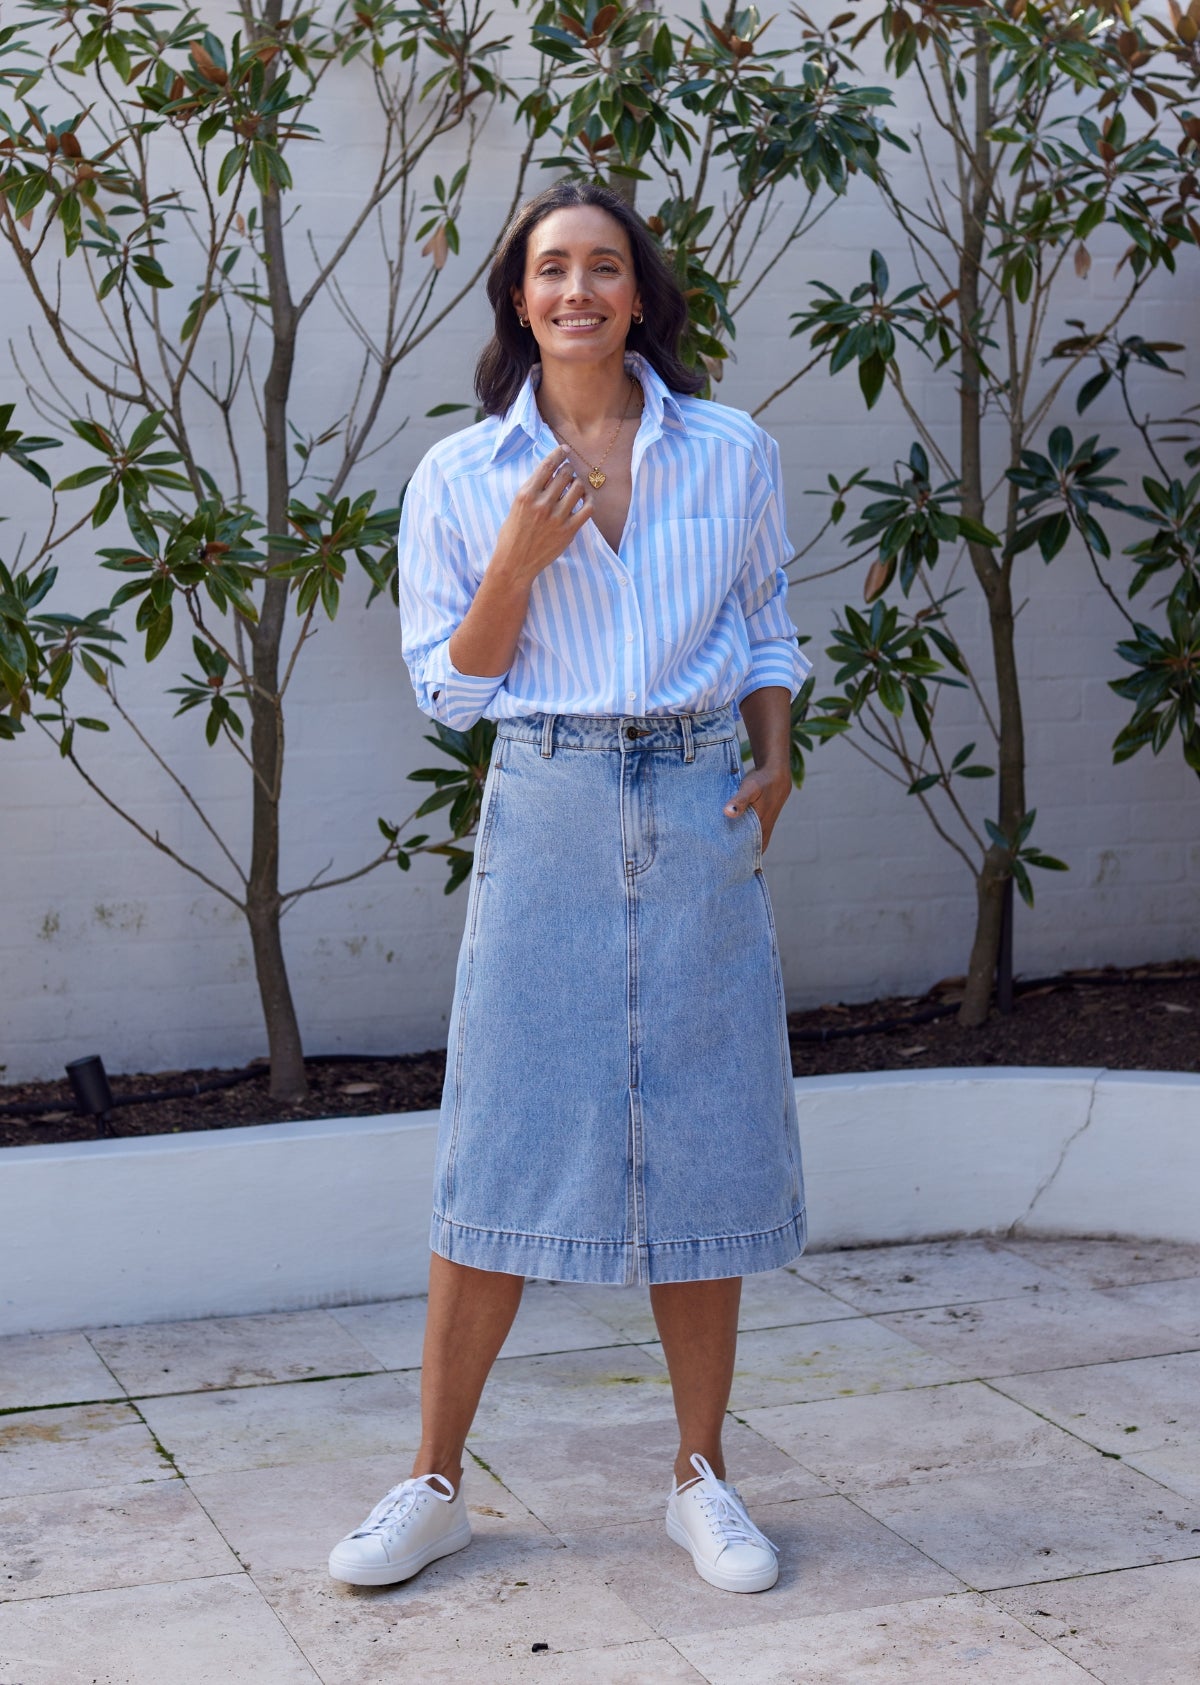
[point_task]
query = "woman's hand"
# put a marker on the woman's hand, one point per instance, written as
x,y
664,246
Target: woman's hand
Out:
x,y
547,512
768,716
765,789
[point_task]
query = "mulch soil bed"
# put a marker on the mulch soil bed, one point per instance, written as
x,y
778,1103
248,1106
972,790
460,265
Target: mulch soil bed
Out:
x,y
1147,1018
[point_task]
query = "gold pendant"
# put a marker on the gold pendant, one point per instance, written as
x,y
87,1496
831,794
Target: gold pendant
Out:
x,y
596,479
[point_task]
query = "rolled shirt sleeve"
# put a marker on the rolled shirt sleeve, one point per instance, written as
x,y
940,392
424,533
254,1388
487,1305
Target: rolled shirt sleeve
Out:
x,y
762,586
436,587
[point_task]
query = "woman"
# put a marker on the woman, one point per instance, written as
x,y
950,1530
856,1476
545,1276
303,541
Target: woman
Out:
x,y
598,567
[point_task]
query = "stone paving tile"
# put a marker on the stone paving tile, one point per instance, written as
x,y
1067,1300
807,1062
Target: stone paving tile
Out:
x,y
1177,1468
1175,1303
229,1351
934,1641
55,1542
305,1421
768,1300
896,1278
899,1438
489,1603
832,1556
614,1384
215,1631
549,1320
652,1663
1108,1263
1039,1522
1145,1404
786,1296
391,1331
292,1516
51,1369
1136,1628
81,1445
626,1310
1040,1331
826,1360
601,1475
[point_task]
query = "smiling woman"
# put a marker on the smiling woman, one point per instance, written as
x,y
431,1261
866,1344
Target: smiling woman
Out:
x,y
598,567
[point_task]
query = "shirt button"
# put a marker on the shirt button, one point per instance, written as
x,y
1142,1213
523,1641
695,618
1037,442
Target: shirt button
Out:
x,y
631,694
629,639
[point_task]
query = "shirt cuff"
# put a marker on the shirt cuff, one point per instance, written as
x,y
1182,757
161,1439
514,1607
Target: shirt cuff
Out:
x,y
776,662
457,699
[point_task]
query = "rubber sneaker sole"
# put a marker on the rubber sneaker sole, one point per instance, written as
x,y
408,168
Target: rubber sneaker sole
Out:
x,y
763,1580
391,1573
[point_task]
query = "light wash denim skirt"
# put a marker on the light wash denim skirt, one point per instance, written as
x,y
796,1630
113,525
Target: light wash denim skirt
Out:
x,y
619,1103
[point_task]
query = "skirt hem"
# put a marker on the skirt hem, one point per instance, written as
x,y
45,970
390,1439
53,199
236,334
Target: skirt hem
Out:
x,y
617,1263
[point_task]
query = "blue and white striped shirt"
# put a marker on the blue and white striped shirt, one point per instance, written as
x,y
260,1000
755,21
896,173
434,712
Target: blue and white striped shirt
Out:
x,y
691,613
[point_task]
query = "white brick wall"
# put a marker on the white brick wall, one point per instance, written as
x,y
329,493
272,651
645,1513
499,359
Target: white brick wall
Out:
x,y
106,946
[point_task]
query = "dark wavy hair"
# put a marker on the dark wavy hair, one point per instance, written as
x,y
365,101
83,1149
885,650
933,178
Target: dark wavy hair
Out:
x,y
512,349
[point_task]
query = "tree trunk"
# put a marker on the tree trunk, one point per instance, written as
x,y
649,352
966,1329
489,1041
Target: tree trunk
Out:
x,y
993,576
288,1081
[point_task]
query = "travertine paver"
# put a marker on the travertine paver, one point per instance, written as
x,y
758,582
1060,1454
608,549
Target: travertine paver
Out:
x,y
981,1461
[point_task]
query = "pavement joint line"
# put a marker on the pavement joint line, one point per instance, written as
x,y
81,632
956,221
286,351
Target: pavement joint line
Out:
x,y
63,1404
1015,1615
133,1398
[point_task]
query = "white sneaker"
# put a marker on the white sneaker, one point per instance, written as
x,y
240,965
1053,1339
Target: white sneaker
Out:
x,y
708,1517
413,1524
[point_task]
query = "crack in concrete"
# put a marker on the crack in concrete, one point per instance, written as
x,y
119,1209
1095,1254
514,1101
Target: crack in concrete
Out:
x,y
1048,1182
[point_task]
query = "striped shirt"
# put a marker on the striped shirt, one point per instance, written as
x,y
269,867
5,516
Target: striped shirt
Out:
x,y
689,614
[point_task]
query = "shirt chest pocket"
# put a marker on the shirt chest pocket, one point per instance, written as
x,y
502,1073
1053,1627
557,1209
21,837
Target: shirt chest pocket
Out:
x,y
693,566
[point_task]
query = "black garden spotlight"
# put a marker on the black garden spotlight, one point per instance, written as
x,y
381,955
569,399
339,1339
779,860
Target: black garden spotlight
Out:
x,y
93,1096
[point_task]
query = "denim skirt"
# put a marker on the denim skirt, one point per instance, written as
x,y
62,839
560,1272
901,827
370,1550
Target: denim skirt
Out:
x,y
618,1103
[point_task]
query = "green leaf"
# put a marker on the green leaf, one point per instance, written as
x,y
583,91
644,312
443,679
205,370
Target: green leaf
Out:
x,y
158,633
230,165
872,372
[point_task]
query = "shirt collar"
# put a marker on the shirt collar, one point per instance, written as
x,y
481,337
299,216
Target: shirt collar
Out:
x,y
661,406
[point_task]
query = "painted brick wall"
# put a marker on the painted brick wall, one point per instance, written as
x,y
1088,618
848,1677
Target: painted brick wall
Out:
x,y
106,946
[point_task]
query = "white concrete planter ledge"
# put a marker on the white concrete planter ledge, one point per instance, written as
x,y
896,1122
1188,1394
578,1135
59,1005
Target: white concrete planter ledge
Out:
x,y
286,1216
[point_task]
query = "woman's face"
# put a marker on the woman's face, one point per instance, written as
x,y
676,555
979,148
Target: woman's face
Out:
x,y
580,290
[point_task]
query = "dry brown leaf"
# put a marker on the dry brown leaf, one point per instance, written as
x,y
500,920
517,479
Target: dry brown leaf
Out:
x,y
876,581
437,247
1083,262
207,65
358,1088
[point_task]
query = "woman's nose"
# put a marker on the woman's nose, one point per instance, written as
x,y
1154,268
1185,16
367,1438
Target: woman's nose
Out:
x,y
577,285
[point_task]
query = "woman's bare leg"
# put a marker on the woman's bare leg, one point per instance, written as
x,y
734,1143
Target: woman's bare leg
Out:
x,y
697,1324
470,1314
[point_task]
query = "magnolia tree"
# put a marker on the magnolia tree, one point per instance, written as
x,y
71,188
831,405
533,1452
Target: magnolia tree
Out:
x,y
1041,124
1066,491
141,154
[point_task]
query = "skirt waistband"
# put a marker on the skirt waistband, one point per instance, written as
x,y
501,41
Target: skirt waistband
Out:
x,y
621,733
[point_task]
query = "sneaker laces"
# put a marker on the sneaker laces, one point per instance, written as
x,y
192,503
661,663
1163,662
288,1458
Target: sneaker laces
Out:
x,y
395,1507
724,1510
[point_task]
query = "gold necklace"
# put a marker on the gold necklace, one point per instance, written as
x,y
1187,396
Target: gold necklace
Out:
x,y
596,476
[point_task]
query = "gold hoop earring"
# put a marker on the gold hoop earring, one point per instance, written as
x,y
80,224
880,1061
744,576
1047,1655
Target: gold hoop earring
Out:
x,y
639,318
523,320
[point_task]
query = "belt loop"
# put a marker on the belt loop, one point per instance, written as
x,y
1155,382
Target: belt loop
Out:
x,y
547,736
689,745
